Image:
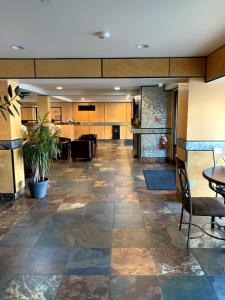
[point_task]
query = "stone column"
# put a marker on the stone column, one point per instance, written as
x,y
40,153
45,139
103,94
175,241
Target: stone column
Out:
x,y
12,181
44,106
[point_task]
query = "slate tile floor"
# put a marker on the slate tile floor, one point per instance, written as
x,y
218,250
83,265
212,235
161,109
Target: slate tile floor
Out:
x,y
100,234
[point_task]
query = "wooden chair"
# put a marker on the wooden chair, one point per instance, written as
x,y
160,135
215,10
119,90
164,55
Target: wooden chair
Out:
x,y
195,206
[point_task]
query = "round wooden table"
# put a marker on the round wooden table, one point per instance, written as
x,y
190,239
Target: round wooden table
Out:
x,y
216,178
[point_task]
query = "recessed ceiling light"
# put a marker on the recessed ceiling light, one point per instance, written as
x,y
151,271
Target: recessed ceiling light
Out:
x,y
48,1
142,46
16,47
82,99
116,88
103,34
59,88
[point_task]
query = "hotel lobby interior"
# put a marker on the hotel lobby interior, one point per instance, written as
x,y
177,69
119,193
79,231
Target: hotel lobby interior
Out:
x,y
112,150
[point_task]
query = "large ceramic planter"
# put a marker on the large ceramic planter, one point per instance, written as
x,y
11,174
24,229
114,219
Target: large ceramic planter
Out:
x,y
38,189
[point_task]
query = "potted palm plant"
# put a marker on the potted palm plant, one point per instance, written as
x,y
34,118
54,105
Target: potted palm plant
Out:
x,y
42,146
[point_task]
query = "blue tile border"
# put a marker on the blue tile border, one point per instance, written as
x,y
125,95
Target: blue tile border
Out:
x,y
199,145
151,130
8,145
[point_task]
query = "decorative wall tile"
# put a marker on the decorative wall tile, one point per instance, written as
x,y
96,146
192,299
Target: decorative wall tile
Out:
x,y
199,145
155,112
155,107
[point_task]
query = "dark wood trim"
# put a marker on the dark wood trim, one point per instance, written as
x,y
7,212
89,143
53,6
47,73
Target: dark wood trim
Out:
x,y
2,58
215,50
91,58
220,76
102,67
215,78
35,69
169,65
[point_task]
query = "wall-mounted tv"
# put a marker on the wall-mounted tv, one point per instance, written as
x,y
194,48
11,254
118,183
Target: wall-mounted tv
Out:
x,y
86,107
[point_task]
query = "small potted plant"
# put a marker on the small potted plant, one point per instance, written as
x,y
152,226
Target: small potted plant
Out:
x,y
42,146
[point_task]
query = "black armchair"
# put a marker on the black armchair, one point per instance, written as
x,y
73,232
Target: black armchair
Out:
x,y
81,149
90,137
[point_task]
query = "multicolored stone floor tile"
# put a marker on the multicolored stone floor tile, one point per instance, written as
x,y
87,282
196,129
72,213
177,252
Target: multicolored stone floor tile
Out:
x,y
212,261
21,237
168,237
128,220
176,262
218,283
84,288
29,287
187,288
132,261
3,232
56,235
130,237
11,258
135,287
95,236
88,261
100,234
45,261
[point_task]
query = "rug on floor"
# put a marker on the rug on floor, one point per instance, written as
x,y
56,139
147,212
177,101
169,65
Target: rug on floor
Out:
x,y
160,179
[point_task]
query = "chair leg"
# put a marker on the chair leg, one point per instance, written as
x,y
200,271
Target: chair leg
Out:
x,y
212,222
189,230
181,218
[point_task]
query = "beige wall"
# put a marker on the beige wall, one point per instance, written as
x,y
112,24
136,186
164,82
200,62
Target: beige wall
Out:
x,y
80,116
201,108
197,162
11,127
11,161
66,108
182,110
206,111
115,112
99,114
44,107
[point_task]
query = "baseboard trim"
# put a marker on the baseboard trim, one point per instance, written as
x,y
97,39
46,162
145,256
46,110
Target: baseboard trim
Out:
x,y
11,196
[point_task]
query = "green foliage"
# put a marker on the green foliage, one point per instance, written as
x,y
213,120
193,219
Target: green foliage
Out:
x,y
41,148
7,102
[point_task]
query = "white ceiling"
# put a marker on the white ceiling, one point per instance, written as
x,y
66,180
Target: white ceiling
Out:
x,y
91,89
96,86
66,28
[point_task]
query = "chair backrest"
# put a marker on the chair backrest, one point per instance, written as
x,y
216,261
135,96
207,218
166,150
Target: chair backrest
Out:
x,y
219,156
184,184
